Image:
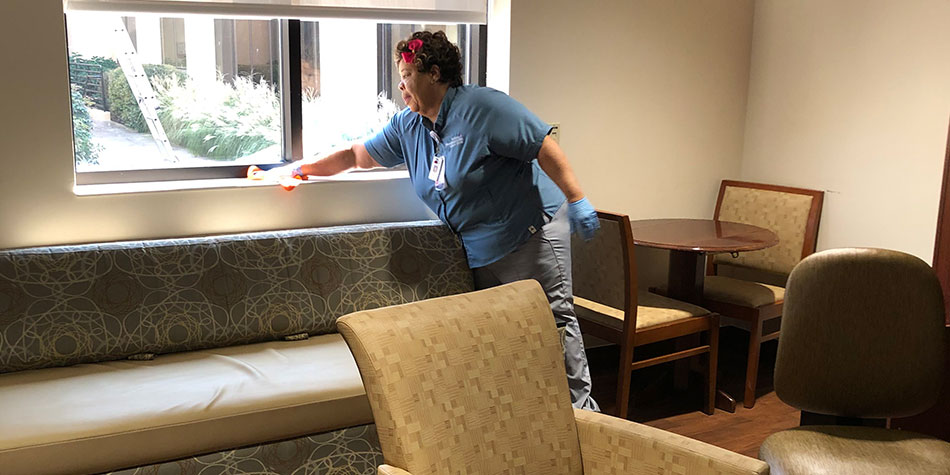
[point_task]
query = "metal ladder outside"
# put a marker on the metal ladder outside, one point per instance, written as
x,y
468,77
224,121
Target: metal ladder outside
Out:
x,y
141,88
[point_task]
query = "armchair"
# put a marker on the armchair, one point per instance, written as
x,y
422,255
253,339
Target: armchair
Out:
x,y
475,383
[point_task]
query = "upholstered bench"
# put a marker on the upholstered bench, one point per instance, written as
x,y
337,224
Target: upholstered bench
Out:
x,y
217,351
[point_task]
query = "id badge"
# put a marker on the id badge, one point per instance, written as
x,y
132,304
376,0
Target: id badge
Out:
x,y
437,172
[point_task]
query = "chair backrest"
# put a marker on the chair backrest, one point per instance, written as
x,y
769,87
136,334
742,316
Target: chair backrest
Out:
x,y
470,383
791,213
862,335
604,268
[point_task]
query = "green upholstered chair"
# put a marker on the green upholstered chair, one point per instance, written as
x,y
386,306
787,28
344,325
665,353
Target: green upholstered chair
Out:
x,y
475,383
609,306
862,340
749,287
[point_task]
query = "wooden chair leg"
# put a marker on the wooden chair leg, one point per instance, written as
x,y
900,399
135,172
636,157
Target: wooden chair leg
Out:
x,y
752,366
712,367
624,379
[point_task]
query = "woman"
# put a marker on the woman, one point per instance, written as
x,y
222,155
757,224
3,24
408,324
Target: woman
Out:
x,y
487,167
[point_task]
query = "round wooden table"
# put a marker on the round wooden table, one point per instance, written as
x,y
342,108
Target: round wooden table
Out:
x,y
689,239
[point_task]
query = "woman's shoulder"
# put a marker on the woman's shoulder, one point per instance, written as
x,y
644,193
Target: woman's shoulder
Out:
x,y
481,96
474,91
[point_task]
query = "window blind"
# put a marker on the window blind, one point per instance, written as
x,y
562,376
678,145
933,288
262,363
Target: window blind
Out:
x,y
393,11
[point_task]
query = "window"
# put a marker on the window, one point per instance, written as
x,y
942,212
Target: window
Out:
x,y
173,97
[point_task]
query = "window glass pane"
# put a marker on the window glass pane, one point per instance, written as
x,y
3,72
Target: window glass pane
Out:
x,y
198,97
210,88
350,80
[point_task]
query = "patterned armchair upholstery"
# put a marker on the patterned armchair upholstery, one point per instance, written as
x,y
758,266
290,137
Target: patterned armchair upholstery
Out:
x,y
475,383
750,286
783,212
842,361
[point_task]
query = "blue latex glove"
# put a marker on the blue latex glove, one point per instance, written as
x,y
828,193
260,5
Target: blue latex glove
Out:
x,y
583,218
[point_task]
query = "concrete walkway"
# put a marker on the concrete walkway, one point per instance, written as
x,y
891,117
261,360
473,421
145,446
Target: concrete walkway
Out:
x,y
125,149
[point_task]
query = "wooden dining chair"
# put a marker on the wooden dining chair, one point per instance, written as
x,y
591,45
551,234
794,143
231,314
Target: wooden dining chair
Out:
x,y
750,286
609,306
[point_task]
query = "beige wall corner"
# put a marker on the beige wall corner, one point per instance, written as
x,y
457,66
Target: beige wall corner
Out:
x,y
853,97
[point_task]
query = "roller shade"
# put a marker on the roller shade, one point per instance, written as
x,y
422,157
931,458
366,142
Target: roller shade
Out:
x,y
394,11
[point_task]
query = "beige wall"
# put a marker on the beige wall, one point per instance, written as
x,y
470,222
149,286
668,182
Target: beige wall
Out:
x,y
37,203
650,95
853,97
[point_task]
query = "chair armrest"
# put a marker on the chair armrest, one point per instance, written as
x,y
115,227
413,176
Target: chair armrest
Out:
x,y
390,470
609,443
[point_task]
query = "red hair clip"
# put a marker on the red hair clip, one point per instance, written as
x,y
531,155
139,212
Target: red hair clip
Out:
x,y
413,45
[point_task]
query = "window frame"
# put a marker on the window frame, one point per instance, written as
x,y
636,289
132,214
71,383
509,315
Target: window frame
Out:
x,y
291,95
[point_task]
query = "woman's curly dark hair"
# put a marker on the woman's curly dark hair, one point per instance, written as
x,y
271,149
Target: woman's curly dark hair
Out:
x,y
436,50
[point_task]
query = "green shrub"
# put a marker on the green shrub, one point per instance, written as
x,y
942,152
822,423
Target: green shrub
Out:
x,y
219,120
227,121
122,104
85,150
105,63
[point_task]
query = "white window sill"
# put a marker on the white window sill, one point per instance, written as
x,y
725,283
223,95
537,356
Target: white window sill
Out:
x,y
153,186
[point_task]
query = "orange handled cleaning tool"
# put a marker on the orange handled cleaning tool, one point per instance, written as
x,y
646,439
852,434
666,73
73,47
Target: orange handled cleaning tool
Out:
x,y
288,183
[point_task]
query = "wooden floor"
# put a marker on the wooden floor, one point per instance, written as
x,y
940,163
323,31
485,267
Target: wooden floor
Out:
x,y
657,403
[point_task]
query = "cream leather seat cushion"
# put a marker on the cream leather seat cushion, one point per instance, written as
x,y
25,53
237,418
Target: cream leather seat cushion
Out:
x,y
844,449
96,417
652,310
741,292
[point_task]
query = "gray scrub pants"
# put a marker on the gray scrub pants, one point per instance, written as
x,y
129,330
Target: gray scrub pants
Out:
x,y
546,257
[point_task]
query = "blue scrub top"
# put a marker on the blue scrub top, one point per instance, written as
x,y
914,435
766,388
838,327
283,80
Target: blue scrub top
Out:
x,y
496,195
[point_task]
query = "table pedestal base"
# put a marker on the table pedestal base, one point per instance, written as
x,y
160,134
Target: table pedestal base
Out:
x,y
689,240
685,282
686,273
724,401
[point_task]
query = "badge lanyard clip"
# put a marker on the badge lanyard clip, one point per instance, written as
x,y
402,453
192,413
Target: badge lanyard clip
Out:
x,y
437,170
